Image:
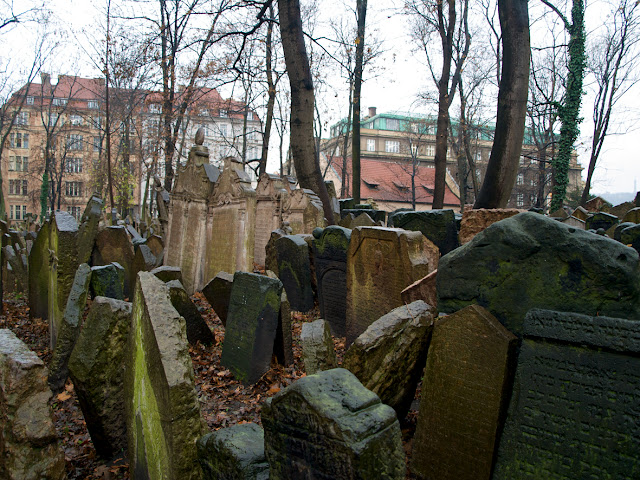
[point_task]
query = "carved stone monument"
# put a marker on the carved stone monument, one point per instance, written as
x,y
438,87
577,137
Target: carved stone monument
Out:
x,y
271,194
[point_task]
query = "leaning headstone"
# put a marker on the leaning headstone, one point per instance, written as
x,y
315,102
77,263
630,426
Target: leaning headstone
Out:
x,y
143,261
167,273
357,210
362,220
108,281
381,262
197,328
423,289
621,209
218,292
574,411
270,196
464,395
294,270
330,254
600,220
17,266
531,261
439,226
388,358
270,258
345,431
476,220
318,353
69,328
39,266
231,453
113,244
283,344
88,228
630,236
29,446
162,410
96,367
154,242
251,327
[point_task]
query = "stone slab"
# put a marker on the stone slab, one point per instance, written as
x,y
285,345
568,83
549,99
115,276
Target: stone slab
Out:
x,y
218,293
197,328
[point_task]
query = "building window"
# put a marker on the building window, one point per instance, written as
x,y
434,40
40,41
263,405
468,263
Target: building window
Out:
x,y
75,211
223,130
22,118
75,119
73,189
430,150
224,113
371,145
478,156
414,151
74,165
97,143
29,100
521,159
393,124
59,102
414,127
53,119
392,146
18,164
249,115
19,140
93,104
18,212
520,179
18,187
520,200
337,151
155,108
74,142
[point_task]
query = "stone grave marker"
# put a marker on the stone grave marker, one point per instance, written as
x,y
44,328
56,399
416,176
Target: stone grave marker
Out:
x,y
333,198
329,426
29,447
154,242
381,262
167,273
600,220
88,228
357,210
143,261
318,352
113,244
270,196
389,356
218,292
39,266
464,394
423,289
251,327
362,220
283,344
96,367
574,409
197,328
270,257
439,226
108,281
162,410
294,270
303,210
476,220
18,267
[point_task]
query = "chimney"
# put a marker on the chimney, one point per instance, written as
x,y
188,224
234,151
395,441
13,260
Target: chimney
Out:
x,y
45,78
372,112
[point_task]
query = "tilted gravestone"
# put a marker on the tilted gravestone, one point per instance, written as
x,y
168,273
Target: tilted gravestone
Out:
x,y
218,292
143,261
294,270
423,289
329,426
251,326
283,343
330,248
18,267
108,281
531,261
96,366
476,220
154,242
303,211
271,258
88,228
318,352
439,226
231,453
29,446
69,328
113,244
389,356
270,196
464,394
381,262
39,259
162,409
197,328
574,409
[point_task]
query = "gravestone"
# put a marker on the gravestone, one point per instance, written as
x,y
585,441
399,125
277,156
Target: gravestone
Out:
x,y
234,453
69,328
362,220
113,244
381,262
580,213
18,267
423,289
303,210
439,226
464,394
88,228
329,426
330,248
197,328
154,242
231,223
108,281
333,199
96,366
270,196
632,215
476,220
251,327
389,356
283,344
143,261
167,273
531,261
39,266
600,220
218,292
630,236
162,410
621,209
318,353
294,270
357,210
574,411
29,447
617,233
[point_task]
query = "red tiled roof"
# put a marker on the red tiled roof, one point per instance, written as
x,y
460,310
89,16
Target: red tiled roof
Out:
x,y
391,181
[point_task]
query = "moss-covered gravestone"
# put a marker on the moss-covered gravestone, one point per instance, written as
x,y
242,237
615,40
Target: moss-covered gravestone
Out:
x,y
162,410
531,261
218,292
600,220
96,367
294,270
389,356
29,446
197,328
574,409
381,262
464,394
113,244
329,426
251,326
39,259
318,352
88,229
108,281
439,226
330,255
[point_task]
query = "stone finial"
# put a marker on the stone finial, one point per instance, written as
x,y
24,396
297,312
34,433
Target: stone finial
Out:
x,y
200,136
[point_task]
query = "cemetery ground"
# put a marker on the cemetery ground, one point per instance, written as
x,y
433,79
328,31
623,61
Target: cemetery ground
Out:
x,y
223,401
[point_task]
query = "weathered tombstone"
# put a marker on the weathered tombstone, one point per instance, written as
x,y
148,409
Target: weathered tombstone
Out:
x,y
231,222
186,240
18,267
251,327
389,357
108,281
580,213
357,210
162,410
143,261
621,209
381,262
333,198
96,367
154,242
531,261
270,196
439,226
113,244
597,204
167,273
303,210
362,220
344,432
318,353
330,254
464,395
88,228
294,270
423,289
630,236
69,328
283,344
218,293
600,220
233,453
632,215
197,328
346,204
574,410
29,446
347,220
476,220
270,257
617,233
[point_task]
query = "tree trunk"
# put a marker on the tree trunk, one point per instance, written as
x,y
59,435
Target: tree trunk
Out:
x,y
271,98
361,12
302,103
502,169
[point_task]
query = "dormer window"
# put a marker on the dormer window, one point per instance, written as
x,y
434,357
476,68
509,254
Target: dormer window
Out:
x,y
224,113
